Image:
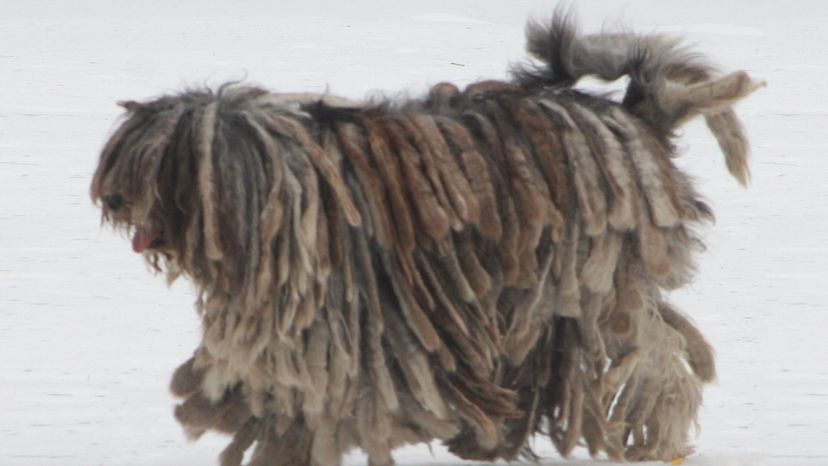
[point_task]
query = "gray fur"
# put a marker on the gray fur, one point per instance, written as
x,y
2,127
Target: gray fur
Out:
x,y
669,83
476,267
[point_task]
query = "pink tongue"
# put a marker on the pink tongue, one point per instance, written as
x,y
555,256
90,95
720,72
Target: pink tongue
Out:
x,y
141,241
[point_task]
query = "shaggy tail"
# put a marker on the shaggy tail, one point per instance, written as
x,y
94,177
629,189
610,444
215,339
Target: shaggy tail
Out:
x,y
668,84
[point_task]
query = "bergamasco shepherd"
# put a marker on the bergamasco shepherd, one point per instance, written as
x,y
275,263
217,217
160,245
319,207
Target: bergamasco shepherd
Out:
x,y
476,266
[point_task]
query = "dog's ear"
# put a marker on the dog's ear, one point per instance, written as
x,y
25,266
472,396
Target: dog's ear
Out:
x,y
129,105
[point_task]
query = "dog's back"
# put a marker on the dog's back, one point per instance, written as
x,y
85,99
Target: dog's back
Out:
x,y
567,215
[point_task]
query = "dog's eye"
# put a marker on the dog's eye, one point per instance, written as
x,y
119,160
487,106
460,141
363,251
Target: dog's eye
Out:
x,y
114,202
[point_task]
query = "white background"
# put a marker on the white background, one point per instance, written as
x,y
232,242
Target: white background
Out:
x,y
88,338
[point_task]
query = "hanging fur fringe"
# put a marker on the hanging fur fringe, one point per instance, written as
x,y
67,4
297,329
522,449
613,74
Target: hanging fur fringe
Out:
x,y
477,267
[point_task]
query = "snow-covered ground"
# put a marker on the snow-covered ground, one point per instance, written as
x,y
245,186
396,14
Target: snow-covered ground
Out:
x,y
88,338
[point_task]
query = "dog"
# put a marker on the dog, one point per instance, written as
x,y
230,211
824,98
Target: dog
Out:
x,y
475,266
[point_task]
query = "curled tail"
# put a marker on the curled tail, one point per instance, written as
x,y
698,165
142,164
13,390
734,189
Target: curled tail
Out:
x,y
668,84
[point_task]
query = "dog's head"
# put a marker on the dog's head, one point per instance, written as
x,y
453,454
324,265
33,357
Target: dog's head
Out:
x,y
193,179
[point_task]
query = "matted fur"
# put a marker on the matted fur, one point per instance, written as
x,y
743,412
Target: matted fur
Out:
x,y
476,267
